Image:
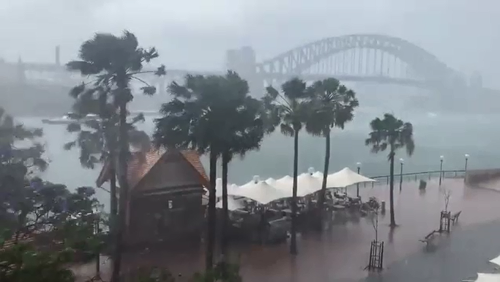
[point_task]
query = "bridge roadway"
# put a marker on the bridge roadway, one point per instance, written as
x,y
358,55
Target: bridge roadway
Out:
x,y
269,76
53,68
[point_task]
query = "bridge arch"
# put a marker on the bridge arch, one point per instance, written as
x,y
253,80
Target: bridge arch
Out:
x,y
297,60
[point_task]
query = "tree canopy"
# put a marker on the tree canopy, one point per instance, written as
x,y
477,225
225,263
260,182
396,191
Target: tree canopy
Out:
x,y
43,225
390,133
333,105
210,112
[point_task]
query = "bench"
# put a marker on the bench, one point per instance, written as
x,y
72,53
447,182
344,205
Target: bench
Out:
x,y
455,216
429,238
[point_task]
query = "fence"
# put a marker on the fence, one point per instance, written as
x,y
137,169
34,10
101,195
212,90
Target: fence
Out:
x,y
415,176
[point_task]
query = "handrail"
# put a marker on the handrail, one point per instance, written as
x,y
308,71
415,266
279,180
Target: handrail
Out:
x,y
400,176
418,173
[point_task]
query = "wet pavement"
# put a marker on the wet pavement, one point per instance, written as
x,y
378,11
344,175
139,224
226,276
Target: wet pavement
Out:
x,y
460,257
341,253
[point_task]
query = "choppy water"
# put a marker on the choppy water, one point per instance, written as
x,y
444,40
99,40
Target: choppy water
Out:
x,y
451,136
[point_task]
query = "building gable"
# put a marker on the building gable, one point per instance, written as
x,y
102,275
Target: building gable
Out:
x,y
171,171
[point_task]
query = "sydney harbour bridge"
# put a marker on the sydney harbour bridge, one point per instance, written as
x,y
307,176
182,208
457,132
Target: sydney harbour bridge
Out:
x,y
358,57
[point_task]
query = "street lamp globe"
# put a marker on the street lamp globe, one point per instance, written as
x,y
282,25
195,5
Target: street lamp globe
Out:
x,y
358,164
466,156
401,160
441,157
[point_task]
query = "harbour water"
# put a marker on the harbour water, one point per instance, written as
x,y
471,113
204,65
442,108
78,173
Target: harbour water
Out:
x,y
435,135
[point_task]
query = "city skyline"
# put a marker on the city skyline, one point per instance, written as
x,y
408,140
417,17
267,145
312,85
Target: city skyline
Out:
x,y
196,36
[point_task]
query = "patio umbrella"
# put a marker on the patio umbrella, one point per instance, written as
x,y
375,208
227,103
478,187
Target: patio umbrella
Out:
x,y
232,204
487,277
346,177
496,261
259,191
307,183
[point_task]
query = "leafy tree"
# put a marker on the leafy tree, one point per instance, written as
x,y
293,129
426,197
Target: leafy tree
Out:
x,y
293,109
97,138
54,227
214,115
332,106
113,62
17,162
391,134
42,225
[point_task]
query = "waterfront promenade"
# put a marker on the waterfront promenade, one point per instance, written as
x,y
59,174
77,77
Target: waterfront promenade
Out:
x,y
341,252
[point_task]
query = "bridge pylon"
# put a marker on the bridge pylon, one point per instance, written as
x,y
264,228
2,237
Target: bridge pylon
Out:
x,y
243,62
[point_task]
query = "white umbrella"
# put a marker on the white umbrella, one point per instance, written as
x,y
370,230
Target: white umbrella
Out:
x,y
271,181
259,191
218,187
496,261
232,204
318,174
346,177
307,183
284,184
487,277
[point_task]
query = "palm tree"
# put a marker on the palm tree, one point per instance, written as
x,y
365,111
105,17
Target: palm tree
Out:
x,y
214,115
392,134
333,105
293,110
244,132
113,62
97,138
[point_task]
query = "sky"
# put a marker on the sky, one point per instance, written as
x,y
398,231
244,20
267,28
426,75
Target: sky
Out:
x,y
195,34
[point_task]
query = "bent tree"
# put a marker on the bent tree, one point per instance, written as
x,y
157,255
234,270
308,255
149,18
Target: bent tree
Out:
x,y
112,63
293,110
212,115
332,107
392,134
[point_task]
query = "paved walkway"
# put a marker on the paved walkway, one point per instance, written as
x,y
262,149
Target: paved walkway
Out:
x,y
341,253
460,257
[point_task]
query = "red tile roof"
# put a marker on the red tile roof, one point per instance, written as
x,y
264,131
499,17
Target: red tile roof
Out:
x,y
141,163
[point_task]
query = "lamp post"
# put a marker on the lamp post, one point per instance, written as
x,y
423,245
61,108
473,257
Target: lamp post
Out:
x,y
401,161
465,169
357,185
441,169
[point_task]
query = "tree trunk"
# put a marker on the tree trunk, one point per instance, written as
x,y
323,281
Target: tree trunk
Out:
x,y
210,244
122,180
391,189
225,210
113,202
322,193
293,239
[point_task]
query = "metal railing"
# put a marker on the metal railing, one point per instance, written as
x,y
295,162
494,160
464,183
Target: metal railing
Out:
x,y
415,176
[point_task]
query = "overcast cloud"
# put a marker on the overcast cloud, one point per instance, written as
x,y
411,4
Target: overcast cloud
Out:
x,y
194,34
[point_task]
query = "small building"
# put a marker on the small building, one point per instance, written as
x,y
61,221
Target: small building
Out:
x,y
165,199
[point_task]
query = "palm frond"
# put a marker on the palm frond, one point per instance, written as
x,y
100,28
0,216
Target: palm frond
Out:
x,y
391,133
286,129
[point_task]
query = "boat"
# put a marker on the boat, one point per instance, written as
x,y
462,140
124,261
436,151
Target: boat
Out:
x,y
66,119
146,113
69,118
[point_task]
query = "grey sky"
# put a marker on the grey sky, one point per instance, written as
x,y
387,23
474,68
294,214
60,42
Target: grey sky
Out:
x,y
194,34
